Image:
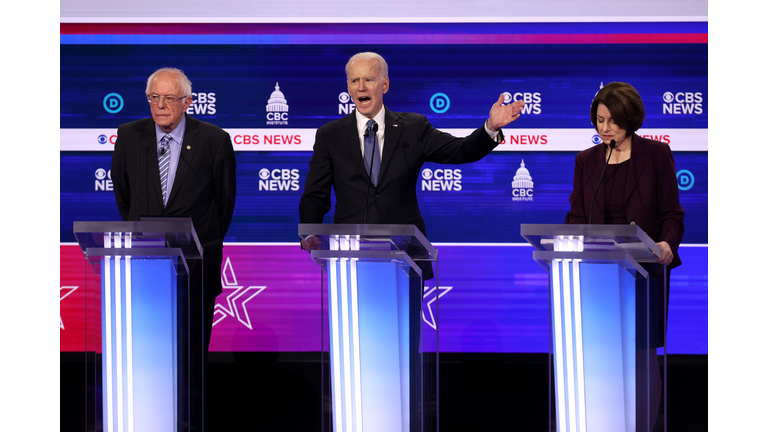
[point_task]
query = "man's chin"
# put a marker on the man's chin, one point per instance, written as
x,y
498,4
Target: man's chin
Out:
x,y
366,111
165,125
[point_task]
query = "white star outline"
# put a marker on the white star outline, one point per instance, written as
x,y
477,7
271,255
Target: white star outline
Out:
x,y
431,293
235,301
63,293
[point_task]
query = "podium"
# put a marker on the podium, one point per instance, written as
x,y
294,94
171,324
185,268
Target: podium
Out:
x,y
143,376
609,347
383,356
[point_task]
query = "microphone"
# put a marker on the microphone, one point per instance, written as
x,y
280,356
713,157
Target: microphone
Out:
x,y
368,131
375,128
612,145
162,151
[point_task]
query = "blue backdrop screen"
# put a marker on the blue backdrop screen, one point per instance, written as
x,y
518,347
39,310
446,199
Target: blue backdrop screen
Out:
x,y
452,73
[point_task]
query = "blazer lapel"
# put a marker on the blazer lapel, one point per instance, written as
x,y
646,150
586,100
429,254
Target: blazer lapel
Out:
x,y
636,166
393,129
188,149
593,176
148,146
348,137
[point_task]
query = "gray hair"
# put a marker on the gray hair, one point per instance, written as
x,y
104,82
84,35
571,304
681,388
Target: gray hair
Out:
x,y
184,82
383,68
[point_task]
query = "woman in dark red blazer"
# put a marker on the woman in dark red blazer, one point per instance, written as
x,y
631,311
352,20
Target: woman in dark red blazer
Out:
x,y
639,187
640,183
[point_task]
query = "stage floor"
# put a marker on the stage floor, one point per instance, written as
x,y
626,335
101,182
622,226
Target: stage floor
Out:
x,y
478,392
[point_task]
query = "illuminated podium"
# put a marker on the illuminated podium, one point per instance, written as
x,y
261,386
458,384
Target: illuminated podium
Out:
x,y
383,356
609,352
143,376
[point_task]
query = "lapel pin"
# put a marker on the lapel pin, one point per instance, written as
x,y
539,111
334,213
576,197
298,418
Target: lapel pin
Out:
x,y
189,147
394,125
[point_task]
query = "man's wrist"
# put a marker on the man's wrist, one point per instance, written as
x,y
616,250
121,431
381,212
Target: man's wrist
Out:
x,y
493,134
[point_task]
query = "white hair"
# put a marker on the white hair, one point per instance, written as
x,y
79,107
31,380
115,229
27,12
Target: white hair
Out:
x,y
184,82
383,68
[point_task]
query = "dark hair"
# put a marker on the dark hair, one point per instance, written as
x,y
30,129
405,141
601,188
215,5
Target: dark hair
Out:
x,y
624,103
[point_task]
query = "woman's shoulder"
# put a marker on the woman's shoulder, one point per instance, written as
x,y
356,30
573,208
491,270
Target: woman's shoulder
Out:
x,y
590,152
651,145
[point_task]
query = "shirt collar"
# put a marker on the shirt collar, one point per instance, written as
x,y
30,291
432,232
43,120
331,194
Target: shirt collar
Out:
x,y
362,120
177,133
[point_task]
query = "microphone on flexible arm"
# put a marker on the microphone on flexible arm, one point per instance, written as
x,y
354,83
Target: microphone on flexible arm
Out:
x,y
375,128
612,145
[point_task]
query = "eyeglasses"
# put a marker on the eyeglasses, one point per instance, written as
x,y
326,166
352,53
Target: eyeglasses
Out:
x,y
169,100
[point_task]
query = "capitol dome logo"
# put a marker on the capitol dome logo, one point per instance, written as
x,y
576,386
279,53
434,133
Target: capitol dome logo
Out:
x,y
277,108
598,91
522,184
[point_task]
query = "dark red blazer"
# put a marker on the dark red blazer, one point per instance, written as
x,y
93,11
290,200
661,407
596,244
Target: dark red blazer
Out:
x,y
651,198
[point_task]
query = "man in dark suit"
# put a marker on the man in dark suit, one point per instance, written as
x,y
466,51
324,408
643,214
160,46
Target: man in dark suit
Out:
x,y
172,165
372,159
404,141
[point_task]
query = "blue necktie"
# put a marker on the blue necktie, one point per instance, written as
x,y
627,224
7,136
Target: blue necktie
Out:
x,y
164,162
371,156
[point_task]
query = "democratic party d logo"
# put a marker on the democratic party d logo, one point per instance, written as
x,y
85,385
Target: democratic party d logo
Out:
x,y
113,103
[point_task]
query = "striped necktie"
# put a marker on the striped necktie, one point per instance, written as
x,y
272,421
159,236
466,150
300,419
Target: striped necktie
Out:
x,y
371,152
164,162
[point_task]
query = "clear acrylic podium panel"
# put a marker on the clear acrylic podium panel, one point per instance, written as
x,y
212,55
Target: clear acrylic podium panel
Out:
x,y
137,371
608,355
380,368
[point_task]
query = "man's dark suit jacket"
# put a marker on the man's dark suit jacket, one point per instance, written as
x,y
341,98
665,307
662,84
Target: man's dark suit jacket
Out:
x,y
651,198
409,141
204,186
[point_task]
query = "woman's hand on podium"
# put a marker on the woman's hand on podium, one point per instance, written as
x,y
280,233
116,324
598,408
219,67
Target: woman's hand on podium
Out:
x,y
666,253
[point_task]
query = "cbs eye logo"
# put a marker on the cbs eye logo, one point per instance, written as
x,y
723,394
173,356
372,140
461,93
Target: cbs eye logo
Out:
x,y
101,174
103,180
280,179
441,179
